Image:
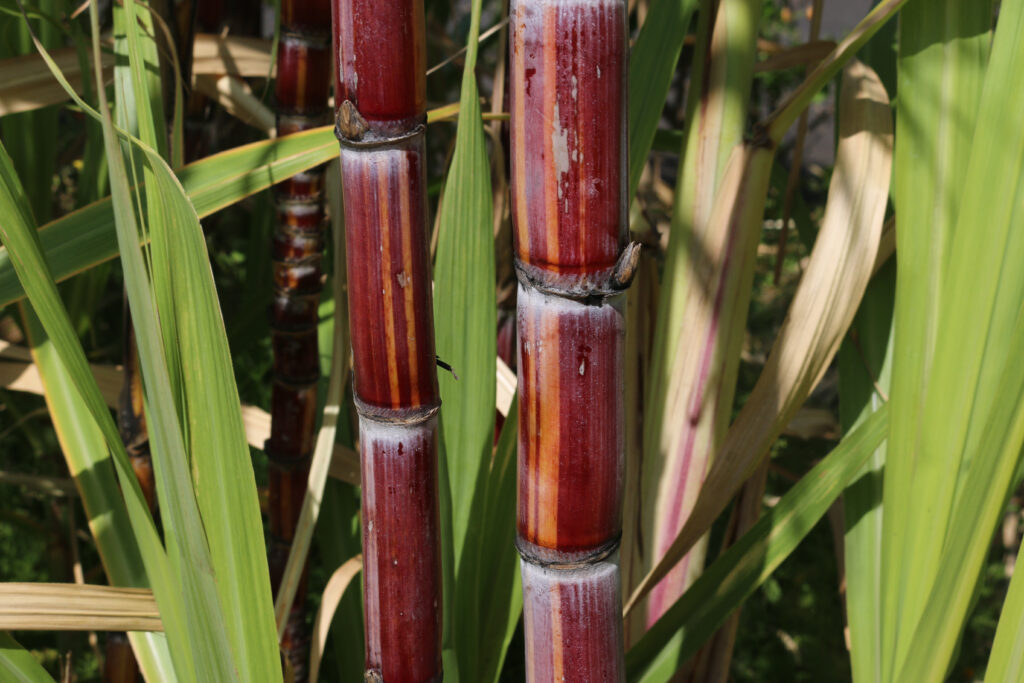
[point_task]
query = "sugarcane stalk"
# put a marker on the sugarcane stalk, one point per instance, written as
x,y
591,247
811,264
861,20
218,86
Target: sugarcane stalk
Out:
x,y
303,82
568,96
381,112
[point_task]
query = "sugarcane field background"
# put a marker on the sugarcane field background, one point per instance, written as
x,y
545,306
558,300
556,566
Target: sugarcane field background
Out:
x,y
511,340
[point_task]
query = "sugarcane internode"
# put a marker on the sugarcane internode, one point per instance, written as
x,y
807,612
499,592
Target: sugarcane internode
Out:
x,y
301,93
568,140
380,121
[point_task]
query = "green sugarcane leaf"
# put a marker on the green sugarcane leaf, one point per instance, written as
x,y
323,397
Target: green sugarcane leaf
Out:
x,y
17,665
495,563
1006,661
81,441
91,466
988,486
86,237
465,319
209,420
942,54
743,567
652,61
961,413
865,368
18,233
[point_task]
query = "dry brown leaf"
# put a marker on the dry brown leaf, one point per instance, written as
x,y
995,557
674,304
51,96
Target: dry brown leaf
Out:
x,y
77,607
333,592
27,83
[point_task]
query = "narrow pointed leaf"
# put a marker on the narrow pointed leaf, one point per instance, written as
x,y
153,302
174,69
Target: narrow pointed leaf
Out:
x,y
744,566
829,293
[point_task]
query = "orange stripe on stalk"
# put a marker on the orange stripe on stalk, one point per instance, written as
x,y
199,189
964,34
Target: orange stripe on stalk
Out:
x,y
383,199
557,655
548,435
405,282
301,79
532,443
549,74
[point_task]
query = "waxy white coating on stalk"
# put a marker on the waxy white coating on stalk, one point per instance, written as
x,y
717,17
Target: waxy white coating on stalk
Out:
x,y
390,445
587,594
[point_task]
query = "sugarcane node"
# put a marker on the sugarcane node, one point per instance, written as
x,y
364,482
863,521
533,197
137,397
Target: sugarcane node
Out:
x,y
297,382
303,36
350,125
398,416
528,552
371,138
372,676
625,267
596,295
760,138
283,462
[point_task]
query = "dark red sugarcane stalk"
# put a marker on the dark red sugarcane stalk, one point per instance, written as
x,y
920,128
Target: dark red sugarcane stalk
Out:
x,y
381,113
303,84
568,116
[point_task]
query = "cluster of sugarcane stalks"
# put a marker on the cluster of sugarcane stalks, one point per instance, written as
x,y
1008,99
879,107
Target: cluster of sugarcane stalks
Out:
x,y
380,97
303,81
569,208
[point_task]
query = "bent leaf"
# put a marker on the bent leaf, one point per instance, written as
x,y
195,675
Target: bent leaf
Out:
x,y
828,296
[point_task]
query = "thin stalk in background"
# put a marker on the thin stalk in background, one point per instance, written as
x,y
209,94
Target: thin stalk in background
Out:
x,y
380,96
303,82
569,176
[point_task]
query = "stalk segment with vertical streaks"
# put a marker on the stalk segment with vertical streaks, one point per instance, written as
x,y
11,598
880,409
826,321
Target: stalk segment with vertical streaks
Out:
x,y
381,114
568,122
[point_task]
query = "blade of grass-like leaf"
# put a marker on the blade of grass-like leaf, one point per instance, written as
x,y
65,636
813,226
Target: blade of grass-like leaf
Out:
x,y
89,463
201,622
865,368
334,591
841,265
743,567
77,607
988,486
1006,660
981,290
865,381
943,50
495,563
29,136
28,84
705,295
17,231
86,237
652,61
18,665
466,330
81,441
225,488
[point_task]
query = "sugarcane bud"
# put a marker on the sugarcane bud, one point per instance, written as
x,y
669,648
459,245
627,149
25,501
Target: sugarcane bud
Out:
x,y
625,267
351,123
